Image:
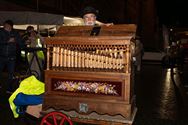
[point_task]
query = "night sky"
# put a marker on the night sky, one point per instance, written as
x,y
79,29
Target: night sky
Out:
x,y
170,12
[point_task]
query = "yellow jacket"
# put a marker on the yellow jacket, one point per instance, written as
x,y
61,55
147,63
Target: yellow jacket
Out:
x,y
29,86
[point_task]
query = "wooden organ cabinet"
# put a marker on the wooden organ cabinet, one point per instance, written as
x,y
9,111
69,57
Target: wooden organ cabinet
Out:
x,y
90,78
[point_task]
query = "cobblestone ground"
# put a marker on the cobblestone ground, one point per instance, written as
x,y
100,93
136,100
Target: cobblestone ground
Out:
x,y
160,94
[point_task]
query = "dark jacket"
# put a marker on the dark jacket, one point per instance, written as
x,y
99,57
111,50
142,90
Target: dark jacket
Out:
x,y
7,49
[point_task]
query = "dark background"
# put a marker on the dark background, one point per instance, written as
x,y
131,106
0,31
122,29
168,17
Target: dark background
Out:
x,y
148,15
173,12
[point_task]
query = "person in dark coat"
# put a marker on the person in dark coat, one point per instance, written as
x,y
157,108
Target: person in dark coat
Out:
x,y
10,41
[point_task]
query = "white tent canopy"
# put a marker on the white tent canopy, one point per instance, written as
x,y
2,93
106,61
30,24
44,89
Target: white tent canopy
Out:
x,y
26,17
40,21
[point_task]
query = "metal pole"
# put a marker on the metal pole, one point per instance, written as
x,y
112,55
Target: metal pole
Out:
x,y
38,11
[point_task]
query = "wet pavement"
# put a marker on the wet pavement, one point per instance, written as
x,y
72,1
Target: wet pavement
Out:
x,y
160,94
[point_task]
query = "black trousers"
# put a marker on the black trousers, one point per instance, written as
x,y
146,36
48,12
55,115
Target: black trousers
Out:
x,y
9,64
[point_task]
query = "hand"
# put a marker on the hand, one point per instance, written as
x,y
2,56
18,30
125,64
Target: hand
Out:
x,y
27,42
12,40
33,34
108,24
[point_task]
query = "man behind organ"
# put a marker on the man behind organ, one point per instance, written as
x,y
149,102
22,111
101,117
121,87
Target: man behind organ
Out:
x,y
89,15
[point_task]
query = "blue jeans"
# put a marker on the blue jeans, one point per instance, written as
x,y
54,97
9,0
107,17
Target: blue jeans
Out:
x,y
9,63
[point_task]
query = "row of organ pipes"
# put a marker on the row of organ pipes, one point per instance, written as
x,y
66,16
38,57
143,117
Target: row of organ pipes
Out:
x,y
100,58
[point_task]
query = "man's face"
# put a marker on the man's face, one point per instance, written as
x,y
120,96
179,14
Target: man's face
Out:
x,y
30,30
89,19
7,27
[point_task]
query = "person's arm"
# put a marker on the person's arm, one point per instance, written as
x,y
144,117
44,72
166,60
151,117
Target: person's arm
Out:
x,y
107,24
3,38
41,40
104,24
